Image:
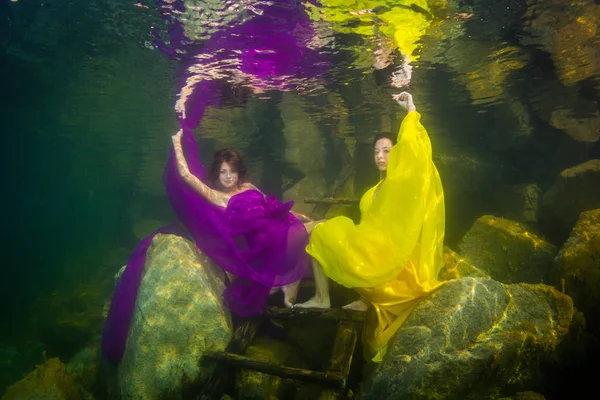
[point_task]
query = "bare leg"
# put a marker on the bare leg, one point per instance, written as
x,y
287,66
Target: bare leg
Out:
x,y
321,298
274,290
358,305
309,226
290,291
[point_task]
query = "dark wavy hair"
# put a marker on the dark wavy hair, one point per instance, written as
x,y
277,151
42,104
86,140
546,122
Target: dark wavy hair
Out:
x,y
232,158
384,135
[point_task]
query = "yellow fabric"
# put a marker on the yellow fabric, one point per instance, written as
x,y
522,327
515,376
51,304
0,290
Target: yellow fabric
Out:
x,y
392,258
401,21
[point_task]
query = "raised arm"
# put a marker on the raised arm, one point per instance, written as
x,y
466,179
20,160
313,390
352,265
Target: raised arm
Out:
x,y
413,150
211,195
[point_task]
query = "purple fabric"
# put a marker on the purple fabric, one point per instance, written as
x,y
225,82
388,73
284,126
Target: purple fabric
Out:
x,y
255,238
116,327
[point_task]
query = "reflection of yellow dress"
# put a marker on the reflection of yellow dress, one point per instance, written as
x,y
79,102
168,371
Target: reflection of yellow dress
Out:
x,y
392,258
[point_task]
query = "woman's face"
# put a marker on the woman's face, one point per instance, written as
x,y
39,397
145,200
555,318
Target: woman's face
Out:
x,y
382,153
228,177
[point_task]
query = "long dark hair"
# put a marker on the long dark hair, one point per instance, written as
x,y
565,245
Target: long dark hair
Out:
x,y
232,158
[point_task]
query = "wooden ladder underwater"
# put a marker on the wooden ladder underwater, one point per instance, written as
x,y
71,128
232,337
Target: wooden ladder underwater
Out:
x,y
333,380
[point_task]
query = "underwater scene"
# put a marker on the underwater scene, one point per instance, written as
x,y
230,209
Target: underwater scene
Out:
x,y
285,199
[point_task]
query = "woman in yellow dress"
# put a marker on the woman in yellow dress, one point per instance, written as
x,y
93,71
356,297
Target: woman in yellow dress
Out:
x,y
393,256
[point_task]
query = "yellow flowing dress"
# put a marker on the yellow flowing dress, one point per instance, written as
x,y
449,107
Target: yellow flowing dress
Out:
x,y
393,256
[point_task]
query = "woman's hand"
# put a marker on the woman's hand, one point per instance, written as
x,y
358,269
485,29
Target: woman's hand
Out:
x,y
182,166
405,99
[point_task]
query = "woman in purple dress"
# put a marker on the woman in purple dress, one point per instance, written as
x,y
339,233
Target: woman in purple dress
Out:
x,y
251,236
266,240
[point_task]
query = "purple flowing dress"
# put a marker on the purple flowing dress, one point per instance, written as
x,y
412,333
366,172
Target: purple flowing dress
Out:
x,y
255,238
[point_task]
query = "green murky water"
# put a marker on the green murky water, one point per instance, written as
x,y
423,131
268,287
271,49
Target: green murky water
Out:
x,y
509,93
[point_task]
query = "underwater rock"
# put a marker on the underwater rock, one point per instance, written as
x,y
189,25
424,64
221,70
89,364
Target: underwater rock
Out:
x,y
84,368
257,385
525,396
578,264
507,251
456,267
47,381
575,190
581,129
568,31
474,338
179,315
518,202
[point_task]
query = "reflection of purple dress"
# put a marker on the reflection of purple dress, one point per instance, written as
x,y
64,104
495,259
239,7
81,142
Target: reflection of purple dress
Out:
x,y
255,238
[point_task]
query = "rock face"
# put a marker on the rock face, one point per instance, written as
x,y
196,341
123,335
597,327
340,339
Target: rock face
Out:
x,y
578,264
576,189
48,381
570,37
456,267
85,369
473,339
506,251
179,315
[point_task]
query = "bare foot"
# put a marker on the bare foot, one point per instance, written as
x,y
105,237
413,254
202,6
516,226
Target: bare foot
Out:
x,y
290,292
315,303
358,305
274,290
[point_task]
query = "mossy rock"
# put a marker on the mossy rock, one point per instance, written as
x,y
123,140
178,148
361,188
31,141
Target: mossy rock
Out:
x,y
85,369
456,267
507,251
49,381
575,190
178,316
578,267
474,338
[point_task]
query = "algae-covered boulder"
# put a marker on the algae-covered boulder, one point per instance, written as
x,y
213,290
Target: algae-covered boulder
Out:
x,y
178,316
578,265
49,381
456,267
575,190
507,251
474,338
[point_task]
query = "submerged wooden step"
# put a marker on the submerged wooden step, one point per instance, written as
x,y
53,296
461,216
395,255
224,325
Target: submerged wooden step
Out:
x,y
222,375
333,378
331,200
337,314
